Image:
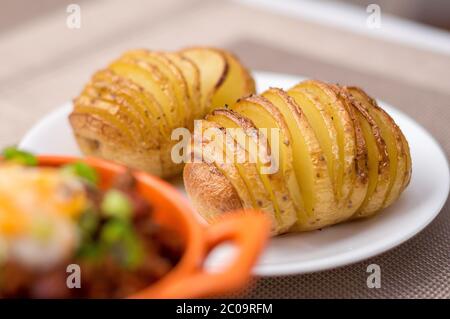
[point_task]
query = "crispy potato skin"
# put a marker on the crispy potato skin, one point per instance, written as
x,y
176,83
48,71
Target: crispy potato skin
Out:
x,y
370,160
359,172
127,111
373,202
272,185
99,138
211,193
398,151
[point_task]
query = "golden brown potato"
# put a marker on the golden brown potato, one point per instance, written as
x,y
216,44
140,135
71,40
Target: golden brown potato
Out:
x,y
378,161
393,137
144,95
248,137
340,157
265,115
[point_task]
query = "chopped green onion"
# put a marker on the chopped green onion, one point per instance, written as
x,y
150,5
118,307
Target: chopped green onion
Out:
x,y
135,253
119,239
113,232
116,204
88,222
89,250
15,155
82,170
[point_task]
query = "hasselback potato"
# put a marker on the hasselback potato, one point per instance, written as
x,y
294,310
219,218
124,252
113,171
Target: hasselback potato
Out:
x,y
338,156
127,111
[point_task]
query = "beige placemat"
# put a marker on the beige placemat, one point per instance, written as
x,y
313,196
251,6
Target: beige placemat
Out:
x,y
419,268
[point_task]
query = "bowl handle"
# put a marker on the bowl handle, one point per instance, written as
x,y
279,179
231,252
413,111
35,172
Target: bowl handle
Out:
x,y
248,230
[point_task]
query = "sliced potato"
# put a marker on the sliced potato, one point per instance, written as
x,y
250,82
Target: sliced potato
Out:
x,y
100,122
378,161
210,191
335,141
309,163
323,127
359,175
248,137
265,116
228,169
393,138
153,138
145,104
213,68
112,91
237,84
173,78
154,82
345,131
408,163
101,134
247,172
325,205
181,88
109,112
192,75
153,93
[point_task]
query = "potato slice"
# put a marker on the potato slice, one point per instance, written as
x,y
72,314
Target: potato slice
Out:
x,y
247,136
180,87
228,169
94,131
145,103
359,175
128,123
309,172
408,163
160,140
378,161
124,108
152,81
334,109
98,136
210,191
101,115
393,138
309,165
213,68
237,84
221,120
110,89
175,78
243,176
101,134
89,102
323,127
192,75
265,115
249,174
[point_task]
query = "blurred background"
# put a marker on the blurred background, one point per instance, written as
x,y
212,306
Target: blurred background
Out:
x,y
431,12
398,50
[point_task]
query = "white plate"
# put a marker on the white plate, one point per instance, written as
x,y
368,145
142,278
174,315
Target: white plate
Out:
x,y
334,246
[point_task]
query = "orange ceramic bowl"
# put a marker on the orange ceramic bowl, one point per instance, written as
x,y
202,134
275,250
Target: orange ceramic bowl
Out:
x,y
248,231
